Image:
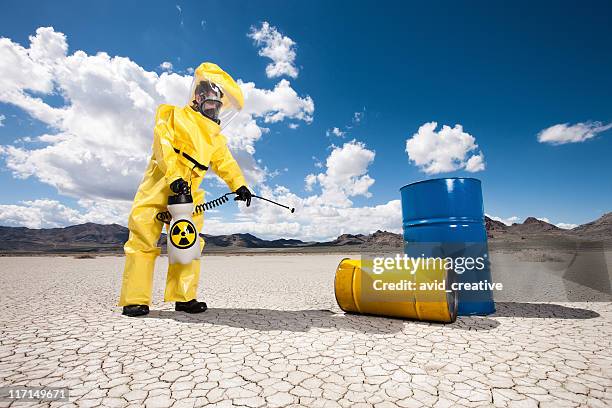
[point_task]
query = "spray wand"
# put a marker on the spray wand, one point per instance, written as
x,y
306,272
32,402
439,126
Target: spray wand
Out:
x,y
165,216
273,202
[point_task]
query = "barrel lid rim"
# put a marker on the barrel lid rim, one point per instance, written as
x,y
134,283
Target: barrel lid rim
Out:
x,y
440,178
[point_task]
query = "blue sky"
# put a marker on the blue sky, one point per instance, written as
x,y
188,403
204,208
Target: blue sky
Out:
x,y
504,72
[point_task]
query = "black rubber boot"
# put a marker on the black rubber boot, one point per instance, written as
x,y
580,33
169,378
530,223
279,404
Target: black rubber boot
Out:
x,y
135,310
193,306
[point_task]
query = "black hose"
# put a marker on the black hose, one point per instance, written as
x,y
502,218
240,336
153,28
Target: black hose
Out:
x,y
165,216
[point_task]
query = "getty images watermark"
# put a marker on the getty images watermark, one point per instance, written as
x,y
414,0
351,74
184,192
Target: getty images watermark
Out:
x,y
408,266
573,272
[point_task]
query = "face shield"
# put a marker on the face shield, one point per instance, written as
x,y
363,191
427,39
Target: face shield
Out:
x,y
211,100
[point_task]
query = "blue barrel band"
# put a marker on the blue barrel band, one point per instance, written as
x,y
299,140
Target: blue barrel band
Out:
x,y
440,179
425,221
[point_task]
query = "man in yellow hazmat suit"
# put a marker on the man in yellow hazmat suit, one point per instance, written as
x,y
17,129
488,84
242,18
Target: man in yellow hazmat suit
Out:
x,y
187,141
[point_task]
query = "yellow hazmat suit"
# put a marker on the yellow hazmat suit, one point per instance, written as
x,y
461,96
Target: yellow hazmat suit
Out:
x,y
185,145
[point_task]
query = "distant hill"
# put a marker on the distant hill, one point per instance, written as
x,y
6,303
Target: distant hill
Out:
x,y
75,238
343,240
534,232
531,228
249,241
98,238
600,229
533,225
384,239
494,227
377,239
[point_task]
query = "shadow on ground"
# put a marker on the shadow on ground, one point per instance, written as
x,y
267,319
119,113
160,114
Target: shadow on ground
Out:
x,y
304,320
541,311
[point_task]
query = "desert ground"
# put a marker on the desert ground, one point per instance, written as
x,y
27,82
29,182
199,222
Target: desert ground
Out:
x,y
274,336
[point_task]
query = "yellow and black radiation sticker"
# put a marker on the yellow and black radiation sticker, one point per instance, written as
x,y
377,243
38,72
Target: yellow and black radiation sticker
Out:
x,y
183,234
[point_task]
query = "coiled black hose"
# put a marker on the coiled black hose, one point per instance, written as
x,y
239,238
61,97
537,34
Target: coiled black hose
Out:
x,y
200,208
165,216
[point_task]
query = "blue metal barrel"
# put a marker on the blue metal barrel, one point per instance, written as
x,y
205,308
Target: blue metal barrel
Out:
x,y
445,218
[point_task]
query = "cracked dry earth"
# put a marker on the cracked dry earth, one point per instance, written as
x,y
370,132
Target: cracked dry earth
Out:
x,y
273,336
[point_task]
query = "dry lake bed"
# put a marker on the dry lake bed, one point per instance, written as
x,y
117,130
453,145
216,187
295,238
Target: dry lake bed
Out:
x,y
274,336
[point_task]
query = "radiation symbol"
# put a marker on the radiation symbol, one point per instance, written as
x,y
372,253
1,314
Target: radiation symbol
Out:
x,y
183,234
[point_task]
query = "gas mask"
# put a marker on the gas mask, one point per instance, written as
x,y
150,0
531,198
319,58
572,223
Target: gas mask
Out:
x,y
215,95
209,100
210,109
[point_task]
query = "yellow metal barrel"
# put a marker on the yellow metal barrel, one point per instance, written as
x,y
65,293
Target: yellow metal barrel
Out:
x,y
355,292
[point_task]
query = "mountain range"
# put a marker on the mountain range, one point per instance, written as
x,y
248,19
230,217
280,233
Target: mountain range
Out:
x,y
598,230
98,238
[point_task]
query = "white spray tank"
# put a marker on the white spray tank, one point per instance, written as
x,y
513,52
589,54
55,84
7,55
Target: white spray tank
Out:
x,y
183,236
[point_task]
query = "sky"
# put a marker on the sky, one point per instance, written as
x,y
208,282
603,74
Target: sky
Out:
x,y
344,104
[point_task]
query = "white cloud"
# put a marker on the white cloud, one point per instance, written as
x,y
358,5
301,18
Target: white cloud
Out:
x,y
475,163
38,214
279,48
335,131
180,11
277,104
311,180
345,175
507,221
444,151
46,213
312,220
565,133
565,225
99,142
355,120
293,125
358,116
2,118
166,66
317,162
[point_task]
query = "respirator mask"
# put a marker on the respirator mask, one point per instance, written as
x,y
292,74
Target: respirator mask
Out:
x,y
208,98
